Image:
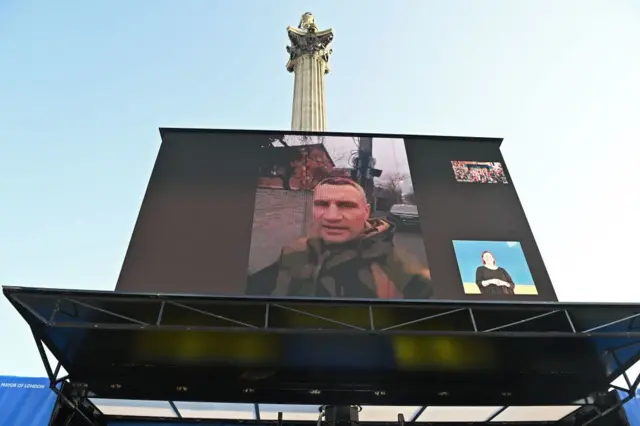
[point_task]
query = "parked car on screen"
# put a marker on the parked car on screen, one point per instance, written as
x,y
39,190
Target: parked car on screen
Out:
x,y
404,216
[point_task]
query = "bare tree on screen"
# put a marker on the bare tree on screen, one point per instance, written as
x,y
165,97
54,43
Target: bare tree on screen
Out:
x,y
409,198
392,184
340,157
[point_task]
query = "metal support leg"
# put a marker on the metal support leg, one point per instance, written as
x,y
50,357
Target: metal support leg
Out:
x,y
74,407
339,415
624,373
421,410
573,327
473,320
54,381
45,359
496,414
372,323
401,419
175,409
630,391
635,384
618,406
160,313
632,387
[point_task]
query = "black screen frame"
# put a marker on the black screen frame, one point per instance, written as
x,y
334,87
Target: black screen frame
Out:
x,y
193,174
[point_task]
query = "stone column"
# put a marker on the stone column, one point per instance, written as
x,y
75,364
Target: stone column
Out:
x,y
309,61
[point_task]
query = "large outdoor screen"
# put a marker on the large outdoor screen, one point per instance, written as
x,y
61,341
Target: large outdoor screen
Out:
x,y
287,214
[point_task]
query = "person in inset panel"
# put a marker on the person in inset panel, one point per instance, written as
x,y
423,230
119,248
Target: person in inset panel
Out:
x,y
346,254
492,279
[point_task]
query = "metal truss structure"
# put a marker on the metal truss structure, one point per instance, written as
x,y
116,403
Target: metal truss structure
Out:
x,y
481,317
591,410
69,322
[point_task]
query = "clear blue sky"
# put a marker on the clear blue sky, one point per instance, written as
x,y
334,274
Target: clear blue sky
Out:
x,y
84,86
508,255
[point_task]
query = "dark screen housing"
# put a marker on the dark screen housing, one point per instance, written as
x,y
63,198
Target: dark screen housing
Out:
x,y
194,230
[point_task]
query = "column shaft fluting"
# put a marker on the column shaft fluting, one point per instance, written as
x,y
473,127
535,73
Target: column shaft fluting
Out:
x,y
309,62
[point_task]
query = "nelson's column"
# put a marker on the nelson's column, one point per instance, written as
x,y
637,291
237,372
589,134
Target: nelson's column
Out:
x,y
309,61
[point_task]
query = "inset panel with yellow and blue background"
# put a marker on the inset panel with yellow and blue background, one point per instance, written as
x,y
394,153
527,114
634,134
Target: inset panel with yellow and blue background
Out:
x,y
494,268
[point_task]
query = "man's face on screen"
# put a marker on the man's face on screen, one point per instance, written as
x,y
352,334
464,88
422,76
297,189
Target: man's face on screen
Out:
x,y
340,212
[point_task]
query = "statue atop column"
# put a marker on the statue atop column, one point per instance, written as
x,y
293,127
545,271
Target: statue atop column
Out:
x,y
308,23
306,39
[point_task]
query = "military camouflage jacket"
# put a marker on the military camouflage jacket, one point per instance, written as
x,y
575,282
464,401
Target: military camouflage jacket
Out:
x,y
370,267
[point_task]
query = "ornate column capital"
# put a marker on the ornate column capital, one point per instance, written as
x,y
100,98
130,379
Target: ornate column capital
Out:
x,y
306,40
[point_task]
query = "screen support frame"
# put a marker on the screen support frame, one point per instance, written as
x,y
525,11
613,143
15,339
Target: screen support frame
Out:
x,y
78,400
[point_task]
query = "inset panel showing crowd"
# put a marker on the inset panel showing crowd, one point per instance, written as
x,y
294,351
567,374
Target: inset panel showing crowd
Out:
x,y
478,172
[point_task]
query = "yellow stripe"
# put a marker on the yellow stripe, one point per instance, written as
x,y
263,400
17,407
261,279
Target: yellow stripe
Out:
x,y
529,290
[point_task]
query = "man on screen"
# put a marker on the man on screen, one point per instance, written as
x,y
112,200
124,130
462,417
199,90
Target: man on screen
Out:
x,y
346,254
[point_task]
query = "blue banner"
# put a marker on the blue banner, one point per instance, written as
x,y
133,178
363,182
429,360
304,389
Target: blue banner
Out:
x,y
632,409
25,401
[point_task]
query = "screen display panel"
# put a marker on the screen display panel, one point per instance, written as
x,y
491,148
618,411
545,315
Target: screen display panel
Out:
x,y
328,215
